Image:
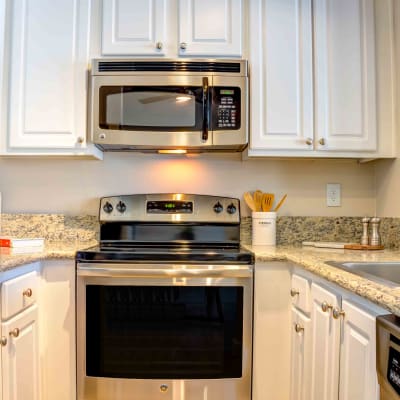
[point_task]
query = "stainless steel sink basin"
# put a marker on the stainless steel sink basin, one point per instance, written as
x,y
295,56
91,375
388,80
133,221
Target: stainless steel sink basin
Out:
x,y
387,273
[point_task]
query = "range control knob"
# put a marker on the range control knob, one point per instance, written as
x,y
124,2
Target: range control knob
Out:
x,y
121,207
108,207
218,208
231,209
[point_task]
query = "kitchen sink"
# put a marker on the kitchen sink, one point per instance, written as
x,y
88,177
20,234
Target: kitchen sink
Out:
x,y
387,273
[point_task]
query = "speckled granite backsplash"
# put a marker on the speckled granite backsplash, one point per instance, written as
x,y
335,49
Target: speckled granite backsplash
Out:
x,y
52,227
290,230
294,230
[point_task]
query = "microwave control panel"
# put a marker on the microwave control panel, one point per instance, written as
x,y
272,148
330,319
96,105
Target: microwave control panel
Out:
x,y
226,108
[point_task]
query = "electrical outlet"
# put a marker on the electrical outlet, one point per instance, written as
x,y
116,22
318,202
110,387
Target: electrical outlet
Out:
x,y
333,194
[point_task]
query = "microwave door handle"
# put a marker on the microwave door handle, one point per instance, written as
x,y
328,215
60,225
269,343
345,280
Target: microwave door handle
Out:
x,y
204,136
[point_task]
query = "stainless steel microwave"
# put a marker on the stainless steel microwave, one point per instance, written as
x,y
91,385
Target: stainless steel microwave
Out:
x,y
169,105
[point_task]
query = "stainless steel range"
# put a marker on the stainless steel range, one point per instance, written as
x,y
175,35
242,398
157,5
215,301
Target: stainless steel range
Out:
x,y
164,304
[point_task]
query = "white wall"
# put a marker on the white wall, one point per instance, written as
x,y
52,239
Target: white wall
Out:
x,y
74,186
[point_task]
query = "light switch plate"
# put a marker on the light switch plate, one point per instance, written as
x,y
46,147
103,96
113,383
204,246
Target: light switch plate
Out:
x,y
333,194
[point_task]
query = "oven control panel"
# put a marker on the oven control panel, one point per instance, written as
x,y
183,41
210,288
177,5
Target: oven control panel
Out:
x,y
170,208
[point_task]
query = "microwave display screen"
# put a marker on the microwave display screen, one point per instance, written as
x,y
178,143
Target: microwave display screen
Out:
x,y
150,108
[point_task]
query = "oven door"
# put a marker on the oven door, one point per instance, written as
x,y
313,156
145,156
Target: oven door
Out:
x,y
164,332
152,111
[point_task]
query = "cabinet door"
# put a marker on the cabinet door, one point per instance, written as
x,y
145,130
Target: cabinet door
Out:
x,y
48,66
325,346
134,27
345,75
210,27
281,74
358,378
300,359
20,357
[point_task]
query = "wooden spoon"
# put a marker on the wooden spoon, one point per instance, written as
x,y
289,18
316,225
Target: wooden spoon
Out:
x,y
280,203
267,201
258,196
248,198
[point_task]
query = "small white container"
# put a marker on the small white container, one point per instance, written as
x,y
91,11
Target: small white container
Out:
x,y
264,228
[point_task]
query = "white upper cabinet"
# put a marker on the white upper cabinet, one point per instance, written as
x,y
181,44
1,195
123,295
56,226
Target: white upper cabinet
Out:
x,y
280,46
345,102
172,28
47,76
134,27
322,78
210,27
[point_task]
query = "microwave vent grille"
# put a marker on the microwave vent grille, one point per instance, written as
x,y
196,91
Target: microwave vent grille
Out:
x,y
168,66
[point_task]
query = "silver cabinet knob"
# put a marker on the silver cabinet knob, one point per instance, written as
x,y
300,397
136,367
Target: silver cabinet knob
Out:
x,y
294,292
159,45
325,306
14,333
337,313
27,293
3,341
309,141
163,388
322,142
183,46
80,139
102,136
298,328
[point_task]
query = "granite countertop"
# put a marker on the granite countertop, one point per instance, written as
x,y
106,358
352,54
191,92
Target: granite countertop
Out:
x,y
11,258
314,260
311,259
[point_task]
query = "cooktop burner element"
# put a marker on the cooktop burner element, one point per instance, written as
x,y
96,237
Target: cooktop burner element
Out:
x,y
168,228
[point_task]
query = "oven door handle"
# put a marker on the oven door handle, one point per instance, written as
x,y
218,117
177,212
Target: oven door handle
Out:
x,y
228,272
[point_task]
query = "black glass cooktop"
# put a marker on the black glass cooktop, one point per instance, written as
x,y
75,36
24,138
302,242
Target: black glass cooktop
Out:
x,y
166,254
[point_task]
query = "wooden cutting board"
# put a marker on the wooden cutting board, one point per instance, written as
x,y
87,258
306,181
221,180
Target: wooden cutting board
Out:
x,y
339,245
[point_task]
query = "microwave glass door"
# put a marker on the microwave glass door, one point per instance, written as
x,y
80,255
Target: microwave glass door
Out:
x,y
164,332
151,108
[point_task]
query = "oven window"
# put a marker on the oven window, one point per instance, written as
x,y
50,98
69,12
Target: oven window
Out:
x,y
164,332
151,108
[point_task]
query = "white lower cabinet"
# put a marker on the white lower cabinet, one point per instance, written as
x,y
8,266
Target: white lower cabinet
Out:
x,y
300,364
325,344
358,379
19,372
20,356
333,351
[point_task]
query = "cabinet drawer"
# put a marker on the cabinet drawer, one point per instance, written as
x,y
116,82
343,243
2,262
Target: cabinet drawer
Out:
x,y
18,294
300,292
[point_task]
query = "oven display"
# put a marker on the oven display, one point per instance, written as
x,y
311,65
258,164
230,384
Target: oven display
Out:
x,y
393,373
169,207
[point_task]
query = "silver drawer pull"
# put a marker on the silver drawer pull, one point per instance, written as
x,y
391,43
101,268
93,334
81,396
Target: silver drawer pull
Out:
x,y
325,306
337,313
163,388
298,328
14,333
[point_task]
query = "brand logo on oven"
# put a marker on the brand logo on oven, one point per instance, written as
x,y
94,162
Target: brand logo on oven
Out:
x,y
264,223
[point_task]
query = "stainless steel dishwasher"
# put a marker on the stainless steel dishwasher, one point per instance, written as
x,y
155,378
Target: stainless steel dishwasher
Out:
x,y
388,356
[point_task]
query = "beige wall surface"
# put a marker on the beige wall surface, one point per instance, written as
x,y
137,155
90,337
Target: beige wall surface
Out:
x,y
388,171
74,186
